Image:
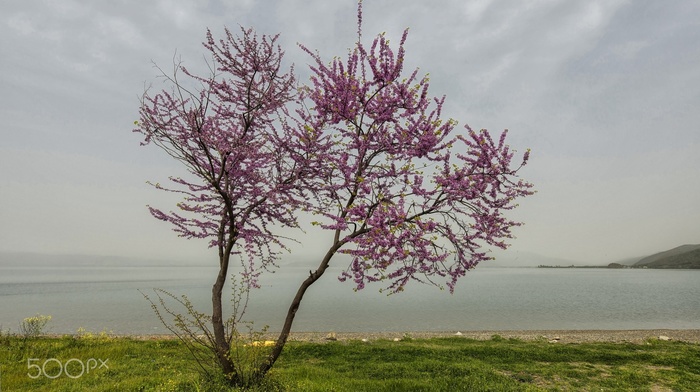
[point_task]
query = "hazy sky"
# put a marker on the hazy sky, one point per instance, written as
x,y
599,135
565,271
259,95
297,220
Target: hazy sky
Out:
x,y
605,93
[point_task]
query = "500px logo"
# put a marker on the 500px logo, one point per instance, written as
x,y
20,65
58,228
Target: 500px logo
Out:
x,y
72,368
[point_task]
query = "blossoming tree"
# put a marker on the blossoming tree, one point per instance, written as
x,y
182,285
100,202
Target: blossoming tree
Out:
x,y
364,147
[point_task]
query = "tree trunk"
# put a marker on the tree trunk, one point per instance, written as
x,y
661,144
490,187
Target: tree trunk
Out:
x,y
222,345
291,313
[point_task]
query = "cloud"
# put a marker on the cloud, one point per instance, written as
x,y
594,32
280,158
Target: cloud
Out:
x,y
604,92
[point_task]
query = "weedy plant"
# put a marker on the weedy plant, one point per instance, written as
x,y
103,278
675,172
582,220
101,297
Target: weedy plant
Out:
x,y
248,349
17,345
34,326
4,336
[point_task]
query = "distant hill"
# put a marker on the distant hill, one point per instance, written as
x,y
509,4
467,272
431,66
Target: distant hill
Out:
x,y
686,256
630,261
524,259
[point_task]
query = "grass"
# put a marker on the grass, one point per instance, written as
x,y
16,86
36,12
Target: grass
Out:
x,y
440,364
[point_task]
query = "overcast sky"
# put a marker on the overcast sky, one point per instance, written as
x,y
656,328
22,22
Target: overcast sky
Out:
x,y
605,93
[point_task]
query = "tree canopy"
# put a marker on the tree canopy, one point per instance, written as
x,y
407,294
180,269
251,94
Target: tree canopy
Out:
x,y
363,146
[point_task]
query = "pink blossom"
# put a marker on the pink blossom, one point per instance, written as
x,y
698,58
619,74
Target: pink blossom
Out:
x,y
408,196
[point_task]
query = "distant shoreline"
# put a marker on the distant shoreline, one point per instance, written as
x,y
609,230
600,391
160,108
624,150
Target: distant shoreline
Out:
x,y
618,266
553,336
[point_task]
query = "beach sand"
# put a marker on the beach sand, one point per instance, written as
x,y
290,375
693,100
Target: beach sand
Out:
x,y
552,336
561,336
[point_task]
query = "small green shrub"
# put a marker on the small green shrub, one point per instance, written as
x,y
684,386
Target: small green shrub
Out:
x,y
247,349
34,326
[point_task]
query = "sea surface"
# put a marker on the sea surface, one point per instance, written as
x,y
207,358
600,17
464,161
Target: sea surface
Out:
x,y
110,298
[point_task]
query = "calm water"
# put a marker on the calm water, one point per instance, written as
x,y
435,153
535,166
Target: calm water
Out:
x,y
108,298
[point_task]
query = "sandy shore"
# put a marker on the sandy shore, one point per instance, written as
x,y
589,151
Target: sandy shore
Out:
x,y
553,336
615,336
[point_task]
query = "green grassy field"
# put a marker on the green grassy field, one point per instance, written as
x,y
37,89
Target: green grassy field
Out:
x,y
439,364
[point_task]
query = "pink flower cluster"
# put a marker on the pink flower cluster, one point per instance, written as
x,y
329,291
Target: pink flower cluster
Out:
x,y
242,186
408,197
